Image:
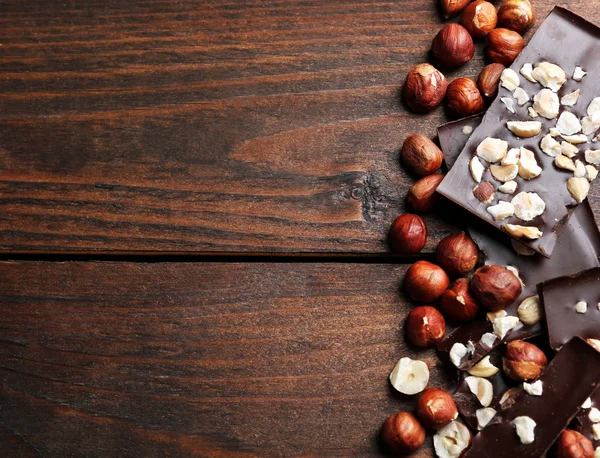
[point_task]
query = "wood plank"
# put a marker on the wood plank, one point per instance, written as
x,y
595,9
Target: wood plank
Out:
x,y
200,359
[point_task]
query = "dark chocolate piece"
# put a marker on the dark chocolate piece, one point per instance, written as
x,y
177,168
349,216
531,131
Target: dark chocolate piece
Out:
x,y
559,297
582,422
452,138
568,40
569,379
580,236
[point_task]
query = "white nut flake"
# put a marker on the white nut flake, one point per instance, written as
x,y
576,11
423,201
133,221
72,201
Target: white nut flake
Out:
x,y
488,339
596,434
534,389
592,173
511,186
594,106
482,389
546,104
525,429
550,146
532,113
579,169
564,163
505,324
484,368
524,129
484,416
510,79
581,307
521,96
578,188
587,403
504,173
528,166
549,75
527,232
467,130
509,103
570,99
568,123
526,71
492,149
512,157
568,149
576,139
592,156
594,415
457,353
528,205
578,73
502,210
476,168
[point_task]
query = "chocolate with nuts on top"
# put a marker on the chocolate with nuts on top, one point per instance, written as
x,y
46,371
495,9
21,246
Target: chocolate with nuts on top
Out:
x,y
579,236
560,296
582,422
568,380
569,41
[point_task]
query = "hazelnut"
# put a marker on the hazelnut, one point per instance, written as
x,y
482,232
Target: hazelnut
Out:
x,y
463,98
425,327
453,46
436,408
421,155
479,18
572,444
457,254
523,361
457,302
425,88
504,46
451,8
495,287
403,433
489,78
421,196
408,234
517,15
425,282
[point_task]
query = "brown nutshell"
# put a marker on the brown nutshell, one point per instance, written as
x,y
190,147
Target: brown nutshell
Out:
x,y
420,155
425,326
458,303
504,46
479,18
453,46
463,98
436,408
421,196
495,287
408,234
489,79
457,254
523,361
424,88
572,444
403,433
451,8
517,15
425,282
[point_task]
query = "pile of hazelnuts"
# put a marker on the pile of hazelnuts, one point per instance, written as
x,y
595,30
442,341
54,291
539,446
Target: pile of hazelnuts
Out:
x,y
453,46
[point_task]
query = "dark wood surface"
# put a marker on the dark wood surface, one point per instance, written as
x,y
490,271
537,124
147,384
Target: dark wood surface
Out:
x,y
200,359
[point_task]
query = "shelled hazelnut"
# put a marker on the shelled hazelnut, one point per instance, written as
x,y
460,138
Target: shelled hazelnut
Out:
x,y
495,287
436,408
457,254
463,98
424,88
517,15
403,433
479,18
489,79
425,282
420,155
458,303
523,361
572,444
453,46
451,8
425,327
421,196
408,234
504,46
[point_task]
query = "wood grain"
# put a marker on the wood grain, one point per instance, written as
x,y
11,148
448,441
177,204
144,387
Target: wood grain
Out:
x,y
200,359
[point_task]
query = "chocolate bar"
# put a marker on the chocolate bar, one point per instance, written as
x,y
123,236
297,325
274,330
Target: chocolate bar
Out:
x,y
569,41
569,379
572,306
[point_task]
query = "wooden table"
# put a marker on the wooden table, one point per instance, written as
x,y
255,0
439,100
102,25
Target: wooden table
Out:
x,y
195,198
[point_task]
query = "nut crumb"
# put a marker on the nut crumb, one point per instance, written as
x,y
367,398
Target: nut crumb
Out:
x,y
578,74
467,130
581,307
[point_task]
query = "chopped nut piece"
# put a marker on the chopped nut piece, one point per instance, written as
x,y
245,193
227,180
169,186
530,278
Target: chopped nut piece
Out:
x,y
570,99
521,96
525,429
549,75
476,168
581,307
576,139
578,188
505,324
526,70
515,271
504,172
592,156
554,132
509,396
592,173
510,187
546,103
563,162
510,79
509,103
596,435
484,416
594,415
578,74
528,232
524,129
590,124
483,368
594,343
457,353
451,440
467,130
484,192
579,169
528,205
587,403
488,339
568,149
532,112
528,166
482,389
529,310
512,157
521,249
568,123
534,389
502,210
594,106
491,316
492,149
550,146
